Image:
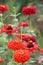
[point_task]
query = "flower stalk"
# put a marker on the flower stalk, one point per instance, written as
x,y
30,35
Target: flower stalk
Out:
x,y
30,22
1,16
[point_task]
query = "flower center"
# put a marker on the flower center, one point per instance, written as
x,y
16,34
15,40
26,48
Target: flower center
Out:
x,y
9,27
30,44
21,52
30,41
29,6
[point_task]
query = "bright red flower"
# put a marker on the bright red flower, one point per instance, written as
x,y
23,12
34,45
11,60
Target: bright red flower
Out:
x,y
21,56
25,24
3,8
1,60
15,44
29,10
9,29
32,46
26,37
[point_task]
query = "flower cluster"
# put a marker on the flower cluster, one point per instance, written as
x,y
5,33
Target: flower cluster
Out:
x,y
23,44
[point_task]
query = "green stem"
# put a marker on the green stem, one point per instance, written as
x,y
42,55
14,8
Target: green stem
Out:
x,y
11,61
21,33
14,10
30,22
11,5
1,17
5,17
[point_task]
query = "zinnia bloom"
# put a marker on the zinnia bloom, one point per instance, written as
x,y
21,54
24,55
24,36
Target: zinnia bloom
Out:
x,y
15,44
21,56
1,60
26,37
24,24
29,10
9,29
3,8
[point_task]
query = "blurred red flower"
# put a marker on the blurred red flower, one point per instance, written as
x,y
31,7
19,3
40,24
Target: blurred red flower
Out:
x,y
1,60
3,8
29,10
41,50
9,29
15,44
25,24
21,56
26,37
0,31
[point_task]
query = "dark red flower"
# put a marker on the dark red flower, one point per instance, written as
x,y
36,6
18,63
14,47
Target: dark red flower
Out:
x,y
15,44
21,56
9,29
29,10
32,46
3,8
26,37
25,24
1,60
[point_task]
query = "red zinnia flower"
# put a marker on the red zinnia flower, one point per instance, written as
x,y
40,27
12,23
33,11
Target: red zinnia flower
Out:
x,y
9,29
26,37
25,24
15,44
29,10
3,8
21,56
1,60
